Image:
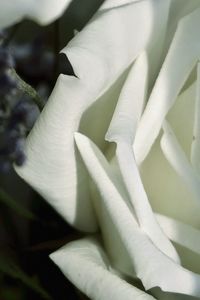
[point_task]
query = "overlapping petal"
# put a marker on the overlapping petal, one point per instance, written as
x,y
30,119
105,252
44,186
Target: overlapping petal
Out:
x,y
184,53
42,11
178,160
90,191
100,54
186,239
85,264
122,131
178,10
152,266
158,175
184,107
181,233
195,145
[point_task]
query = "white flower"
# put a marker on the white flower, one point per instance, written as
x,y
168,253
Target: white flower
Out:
x,y
41,11
139,186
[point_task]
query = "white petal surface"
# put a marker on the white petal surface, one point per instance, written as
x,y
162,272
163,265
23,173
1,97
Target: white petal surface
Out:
x,y
109,4
122,131
180,233
179,162
178,9
85,264
186,239
140,202
195,149
114,245
166,190
53,167
184,107
100,113
130,103
152,266
99,55
42,11
104,48
182,57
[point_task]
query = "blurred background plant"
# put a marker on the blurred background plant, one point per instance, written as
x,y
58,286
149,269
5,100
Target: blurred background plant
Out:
x,y
29,229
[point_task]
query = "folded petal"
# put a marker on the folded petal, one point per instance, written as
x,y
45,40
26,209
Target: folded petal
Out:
x,y
167,192
186,239
166,189
151,265
86,265
140,202
195,148
44,11
178,10
47,10
181,59
183,234
110,4
106,46
183,127
122,131
100,54
179,162
53,167
131,102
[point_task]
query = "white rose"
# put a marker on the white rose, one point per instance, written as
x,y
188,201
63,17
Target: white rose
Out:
x,y
142,206
41,11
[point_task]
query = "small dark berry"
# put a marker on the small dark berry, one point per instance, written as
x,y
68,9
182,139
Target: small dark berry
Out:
x,y
25,113
20,159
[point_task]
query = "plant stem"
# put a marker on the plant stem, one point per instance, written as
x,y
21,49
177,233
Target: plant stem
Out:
x,y
28,89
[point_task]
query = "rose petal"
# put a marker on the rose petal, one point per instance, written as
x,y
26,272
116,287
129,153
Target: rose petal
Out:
x,y
152,266
178,10
140,202
102,51
43,11
86,265
186,238
53,167
110,4
122,131
183,126
182,56
181,233
99,55
160,178
130,103
195,149
179,162
100,113
112,241
167,192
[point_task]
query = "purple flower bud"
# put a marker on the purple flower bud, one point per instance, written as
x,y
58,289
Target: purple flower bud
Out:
x,y
25,113
20,158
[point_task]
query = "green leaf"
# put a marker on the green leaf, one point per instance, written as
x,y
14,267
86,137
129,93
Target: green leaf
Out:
x,y
14,205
